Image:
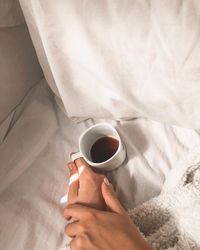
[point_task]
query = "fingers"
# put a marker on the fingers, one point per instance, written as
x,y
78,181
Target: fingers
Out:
x,y
80,242
72,168
79,212
85,172
73,229
110,198
80,237
83,166
85,169
72,244
73,182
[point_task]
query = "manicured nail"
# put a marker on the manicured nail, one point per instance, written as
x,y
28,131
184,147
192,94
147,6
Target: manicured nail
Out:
x,y
73,178
70,166
64,199
81,169
106,181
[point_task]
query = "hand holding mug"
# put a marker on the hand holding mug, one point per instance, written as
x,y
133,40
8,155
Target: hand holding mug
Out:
x,y
99,220
87,188
101,148
95,230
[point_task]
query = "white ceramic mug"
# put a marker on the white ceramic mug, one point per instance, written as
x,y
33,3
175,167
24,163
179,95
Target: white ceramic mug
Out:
x,y
90,136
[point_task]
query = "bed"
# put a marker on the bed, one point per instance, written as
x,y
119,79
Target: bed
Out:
x,y
33,168
37,134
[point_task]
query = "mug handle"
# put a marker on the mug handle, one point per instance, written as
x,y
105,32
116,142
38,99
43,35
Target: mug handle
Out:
x,y
75,156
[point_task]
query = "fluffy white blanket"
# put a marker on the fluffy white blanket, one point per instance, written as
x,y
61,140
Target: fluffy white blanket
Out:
x,y
172,219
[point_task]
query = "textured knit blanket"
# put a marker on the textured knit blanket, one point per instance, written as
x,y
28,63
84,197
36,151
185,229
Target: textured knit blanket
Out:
x,y
172,220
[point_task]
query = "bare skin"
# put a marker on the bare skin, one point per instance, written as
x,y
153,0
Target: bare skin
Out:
x,y
99,220
86,190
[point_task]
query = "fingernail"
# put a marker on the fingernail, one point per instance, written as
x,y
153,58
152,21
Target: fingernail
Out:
x,y
81,169
106,181
64,199
70,166
73,178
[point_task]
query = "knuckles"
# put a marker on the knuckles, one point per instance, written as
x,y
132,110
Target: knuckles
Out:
x,y
65,214
81,242
83,228
67,230
91,215
82,238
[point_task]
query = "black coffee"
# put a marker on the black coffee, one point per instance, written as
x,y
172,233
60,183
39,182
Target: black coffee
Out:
x,y
103,149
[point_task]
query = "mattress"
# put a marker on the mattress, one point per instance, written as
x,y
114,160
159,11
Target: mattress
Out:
x,y
36,140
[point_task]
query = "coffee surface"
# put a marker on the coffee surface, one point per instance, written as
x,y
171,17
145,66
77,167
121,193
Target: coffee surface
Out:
x,y
103,149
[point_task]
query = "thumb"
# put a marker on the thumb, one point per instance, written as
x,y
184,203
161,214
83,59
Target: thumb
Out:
x,y
110,198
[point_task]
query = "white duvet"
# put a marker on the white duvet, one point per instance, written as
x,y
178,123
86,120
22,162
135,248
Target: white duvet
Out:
x,y
120,59
33,168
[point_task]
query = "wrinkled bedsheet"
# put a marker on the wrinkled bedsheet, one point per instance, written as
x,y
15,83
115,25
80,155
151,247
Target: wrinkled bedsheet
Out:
x,y
35,144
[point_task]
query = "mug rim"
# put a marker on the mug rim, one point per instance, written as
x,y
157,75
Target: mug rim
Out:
x,y
95,164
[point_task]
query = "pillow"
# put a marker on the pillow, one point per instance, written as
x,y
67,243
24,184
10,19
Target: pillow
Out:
x,y
121,59
10,13
19,67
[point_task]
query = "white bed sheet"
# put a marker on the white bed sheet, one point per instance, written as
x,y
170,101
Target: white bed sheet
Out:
x,y
142,55
33,157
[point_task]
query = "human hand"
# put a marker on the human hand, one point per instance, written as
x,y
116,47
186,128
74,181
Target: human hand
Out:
x,y
87,188
108,230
